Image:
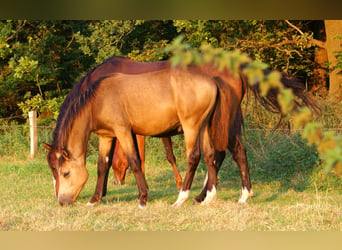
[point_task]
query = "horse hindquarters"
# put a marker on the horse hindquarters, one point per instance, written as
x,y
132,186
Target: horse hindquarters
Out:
x,y
196,132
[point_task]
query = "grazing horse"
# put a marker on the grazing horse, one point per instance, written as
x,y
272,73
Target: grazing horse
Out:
x,y
121,105
118,159
119,64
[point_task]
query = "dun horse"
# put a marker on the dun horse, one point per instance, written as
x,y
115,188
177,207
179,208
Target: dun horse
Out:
x,y
189,100
159,103
124,65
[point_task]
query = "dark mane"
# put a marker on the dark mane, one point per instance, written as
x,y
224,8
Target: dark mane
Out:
x,y
71,108
78,98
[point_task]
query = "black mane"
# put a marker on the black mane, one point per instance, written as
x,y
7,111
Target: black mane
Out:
x,y
72,106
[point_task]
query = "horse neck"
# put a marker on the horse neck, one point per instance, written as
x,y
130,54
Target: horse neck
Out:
x,y
79,134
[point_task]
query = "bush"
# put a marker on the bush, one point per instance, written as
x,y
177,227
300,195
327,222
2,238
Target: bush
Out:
x,y
14,139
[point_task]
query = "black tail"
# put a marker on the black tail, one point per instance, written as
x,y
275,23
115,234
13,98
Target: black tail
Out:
x,y
270,101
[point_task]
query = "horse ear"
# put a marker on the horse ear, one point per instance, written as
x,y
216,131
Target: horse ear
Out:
x,y
47,146
66,154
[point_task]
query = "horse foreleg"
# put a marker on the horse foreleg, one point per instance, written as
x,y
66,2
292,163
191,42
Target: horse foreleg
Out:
x,y
172,159
106,148
129,146
238,152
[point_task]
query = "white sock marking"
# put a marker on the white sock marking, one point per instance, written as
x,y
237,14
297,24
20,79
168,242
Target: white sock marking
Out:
x,y
245,194
211,196
89,204
182,197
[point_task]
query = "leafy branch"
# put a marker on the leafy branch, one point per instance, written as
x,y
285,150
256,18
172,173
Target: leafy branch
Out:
x,y
328,143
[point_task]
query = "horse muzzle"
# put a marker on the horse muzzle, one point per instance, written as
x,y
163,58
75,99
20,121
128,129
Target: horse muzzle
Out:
x,y
65,200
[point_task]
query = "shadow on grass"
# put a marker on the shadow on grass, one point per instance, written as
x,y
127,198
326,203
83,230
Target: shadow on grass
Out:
x,y
281,161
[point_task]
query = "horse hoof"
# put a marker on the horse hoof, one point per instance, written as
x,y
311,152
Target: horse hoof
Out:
x,y
245,194
176,205
93,202
142,205
89,204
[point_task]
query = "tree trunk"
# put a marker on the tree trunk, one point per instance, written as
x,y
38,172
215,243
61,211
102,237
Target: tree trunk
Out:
x,y
332,29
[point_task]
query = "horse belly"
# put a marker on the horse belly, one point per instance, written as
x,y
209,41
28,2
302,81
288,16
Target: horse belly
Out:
x,y
153,119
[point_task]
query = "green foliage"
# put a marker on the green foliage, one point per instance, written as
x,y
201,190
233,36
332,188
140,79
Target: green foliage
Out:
x,y
48,109
49,57
37,57
312,131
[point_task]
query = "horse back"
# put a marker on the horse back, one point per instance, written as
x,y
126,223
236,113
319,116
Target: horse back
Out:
x,y
154,103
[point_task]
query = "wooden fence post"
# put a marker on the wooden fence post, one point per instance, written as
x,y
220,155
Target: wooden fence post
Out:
x,y
33,133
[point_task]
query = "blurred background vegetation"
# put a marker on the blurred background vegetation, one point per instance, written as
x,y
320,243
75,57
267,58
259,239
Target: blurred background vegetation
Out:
x,y
40,61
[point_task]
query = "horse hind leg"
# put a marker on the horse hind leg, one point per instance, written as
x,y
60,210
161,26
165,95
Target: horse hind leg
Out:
x,y
209,154
193,157
219,157
238,152
172,159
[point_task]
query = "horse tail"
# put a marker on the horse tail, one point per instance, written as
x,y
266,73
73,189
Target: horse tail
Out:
x,y
270,101
219,123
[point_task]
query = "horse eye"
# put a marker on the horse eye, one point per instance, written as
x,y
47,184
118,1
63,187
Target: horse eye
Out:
x,y
66,174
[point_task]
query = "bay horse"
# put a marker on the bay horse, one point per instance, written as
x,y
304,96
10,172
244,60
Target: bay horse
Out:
x,y
235,146
120,105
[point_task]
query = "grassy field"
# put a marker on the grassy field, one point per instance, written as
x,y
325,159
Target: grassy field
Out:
x,y
292,190
292,193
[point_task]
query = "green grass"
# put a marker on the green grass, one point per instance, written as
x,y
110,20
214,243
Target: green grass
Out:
x,y
292,193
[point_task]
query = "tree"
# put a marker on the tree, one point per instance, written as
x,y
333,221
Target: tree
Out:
x,y
328,39
37,58
333,29
47,58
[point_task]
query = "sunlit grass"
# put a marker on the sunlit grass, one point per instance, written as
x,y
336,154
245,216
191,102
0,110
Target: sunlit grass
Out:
x,y
27,203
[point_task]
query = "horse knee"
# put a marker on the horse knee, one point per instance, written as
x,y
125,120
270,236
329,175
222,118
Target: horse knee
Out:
x,y
135,165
